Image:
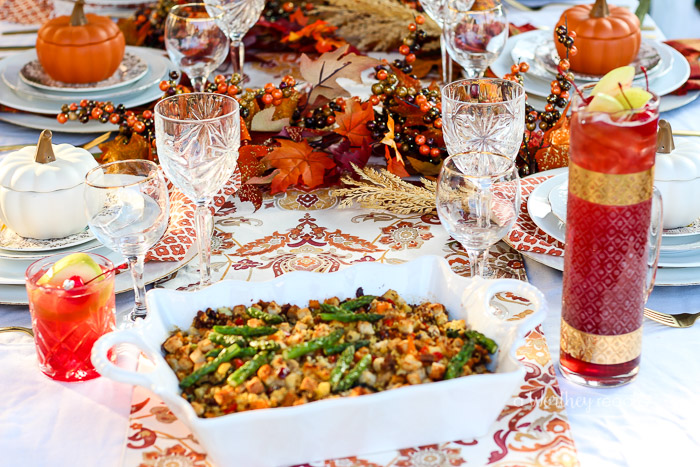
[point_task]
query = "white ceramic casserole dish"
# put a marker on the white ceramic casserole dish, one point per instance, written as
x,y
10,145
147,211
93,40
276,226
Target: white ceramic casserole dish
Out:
x,y
461,408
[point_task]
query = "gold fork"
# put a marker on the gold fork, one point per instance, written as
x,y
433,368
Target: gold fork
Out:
x,y
17,329
680,320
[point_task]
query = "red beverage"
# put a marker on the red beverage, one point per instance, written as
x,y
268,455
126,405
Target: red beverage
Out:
x,y
607,235
68,317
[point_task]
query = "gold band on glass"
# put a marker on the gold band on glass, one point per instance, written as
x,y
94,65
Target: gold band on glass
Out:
x,y
610,189
601,350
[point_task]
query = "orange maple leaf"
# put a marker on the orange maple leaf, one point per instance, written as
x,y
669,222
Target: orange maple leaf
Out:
x,y
313,30
353,122
297,161
298,17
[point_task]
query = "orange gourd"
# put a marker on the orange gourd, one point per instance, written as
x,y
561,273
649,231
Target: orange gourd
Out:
x,y
606,37
80,48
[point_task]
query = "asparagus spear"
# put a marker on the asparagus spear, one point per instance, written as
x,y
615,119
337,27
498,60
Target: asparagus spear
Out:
x,y
245,331
264,345
342,365
354,374
486,342
224,340
454,368
338,348
313,345
358,302
349,318
227,354
267,317
249,368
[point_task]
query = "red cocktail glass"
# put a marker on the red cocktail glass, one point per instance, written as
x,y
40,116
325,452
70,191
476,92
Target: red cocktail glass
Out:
x,y
607,274
67,323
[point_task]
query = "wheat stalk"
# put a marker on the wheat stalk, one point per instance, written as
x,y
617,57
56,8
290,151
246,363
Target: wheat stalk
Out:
x,y
380,189
374,24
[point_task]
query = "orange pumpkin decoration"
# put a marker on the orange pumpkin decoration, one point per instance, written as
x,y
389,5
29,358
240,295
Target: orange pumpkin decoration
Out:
x,y
80,48
606,37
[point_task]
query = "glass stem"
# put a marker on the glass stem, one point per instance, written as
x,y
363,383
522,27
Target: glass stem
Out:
x,y
446,60
136,267
198,83
202,218
237,56
474,262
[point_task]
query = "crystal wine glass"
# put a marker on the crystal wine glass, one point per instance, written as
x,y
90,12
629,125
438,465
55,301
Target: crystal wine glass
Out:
x,y
436,10
483,115
194,40
198,136
474,39
128,206
239,17
478,201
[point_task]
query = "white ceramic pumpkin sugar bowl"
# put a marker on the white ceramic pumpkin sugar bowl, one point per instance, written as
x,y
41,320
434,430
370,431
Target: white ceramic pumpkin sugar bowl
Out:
x,y
41,189
677,176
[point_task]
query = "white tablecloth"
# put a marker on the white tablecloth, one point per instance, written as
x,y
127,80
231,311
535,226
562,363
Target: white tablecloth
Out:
x,y
653,421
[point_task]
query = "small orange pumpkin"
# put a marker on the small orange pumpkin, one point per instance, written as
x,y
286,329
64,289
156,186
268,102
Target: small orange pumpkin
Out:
x,y
606,37
80,48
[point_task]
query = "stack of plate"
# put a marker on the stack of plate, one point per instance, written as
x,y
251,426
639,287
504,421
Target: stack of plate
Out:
x,y
17,253
679,259
667,68
24,85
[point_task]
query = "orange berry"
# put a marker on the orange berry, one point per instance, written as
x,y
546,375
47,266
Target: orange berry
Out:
x,y
164,86
420,19
62,118
232,90
382,75
330,120
514,68
139,126
219,78
267,99
374,100
437,123
404,50
221,88
96,113
424,149
147,114
424,107
277,94
109,108
269,87
548,108
276,102
410,58
114,119
435,152
564,95
524,67
73,106
83,103
309,6
564,65
412,27
573,51
288,7
420,140
421,99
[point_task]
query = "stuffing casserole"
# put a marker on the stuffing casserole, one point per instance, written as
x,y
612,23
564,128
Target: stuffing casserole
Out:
x,y
270,355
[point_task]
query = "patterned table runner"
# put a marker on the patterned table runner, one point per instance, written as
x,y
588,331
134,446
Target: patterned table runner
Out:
x,y
307,231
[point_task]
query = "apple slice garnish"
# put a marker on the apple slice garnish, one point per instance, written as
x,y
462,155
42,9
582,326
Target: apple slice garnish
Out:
x,y
611,82
604,103
633,98
75,264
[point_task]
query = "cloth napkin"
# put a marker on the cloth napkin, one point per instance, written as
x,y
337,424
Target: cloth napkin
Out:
x,y
26,11
181,234
525,235
690,48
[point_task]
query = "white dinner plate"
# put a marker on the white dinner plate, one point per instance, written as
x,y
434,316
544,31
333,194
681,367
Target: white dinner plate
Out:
x,y
52,105
16,294
664,276
155,72
530,46
687,235
10,241
666,103
43,122
661,85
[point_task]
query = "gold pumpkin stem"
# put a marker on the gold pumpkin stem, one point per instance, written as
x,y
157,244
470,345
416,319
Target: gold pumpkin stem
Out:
x,y
664,139
44,149
77,16
600,9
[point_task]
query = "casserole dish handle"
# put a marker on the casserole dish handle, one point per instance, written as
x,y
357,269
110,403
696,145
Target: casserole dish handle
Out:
x,y
100,359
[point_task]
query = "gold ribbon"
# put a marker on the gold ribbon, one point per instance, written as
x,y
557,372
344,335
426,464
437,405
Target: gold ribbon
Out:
x,y
601,350
611,189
